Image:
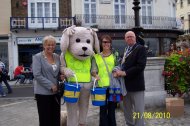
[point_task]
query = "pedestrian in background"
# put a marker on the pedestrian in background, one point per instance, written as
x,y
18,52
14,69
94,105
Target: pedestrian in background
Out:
x,y
18,73
4,76
105,62
2,93
133,65
46,68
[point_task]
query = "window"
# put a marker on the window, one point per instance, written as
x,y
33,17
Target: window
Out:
x,y
32,12
182,22
173,13
90,11
119,8
54,12
42,12
146,11
47,12
39,12
181,3
152,47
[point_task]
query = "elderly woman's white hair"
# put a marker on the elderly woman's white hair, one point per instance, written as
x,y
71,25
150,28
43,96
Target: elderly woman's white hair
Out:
x,y
48,39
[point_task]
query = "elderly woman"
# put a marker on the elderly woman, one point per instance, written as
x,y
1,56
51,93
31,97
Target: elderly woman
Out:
x,y
46,66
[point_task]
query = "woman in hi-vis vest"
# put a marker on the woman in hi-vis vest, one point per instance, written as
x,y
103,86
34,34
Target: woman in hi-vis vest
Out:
x,y
101,70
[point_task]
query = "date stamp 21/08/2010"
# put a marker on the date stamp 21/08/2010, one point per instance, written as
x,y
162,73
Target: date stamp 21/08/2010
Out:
x,y
151,115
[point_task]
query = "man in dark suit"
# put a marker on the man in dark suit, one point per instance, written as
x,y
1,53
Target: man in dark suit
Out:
x,y
133,65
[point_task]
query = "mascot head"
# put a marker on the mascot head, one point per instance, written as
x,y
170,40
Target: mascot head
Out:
x,y
80,42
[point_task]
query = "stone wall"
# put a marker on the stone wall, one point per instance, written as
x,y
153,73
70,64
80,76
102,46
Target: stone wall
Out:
x,y
155,93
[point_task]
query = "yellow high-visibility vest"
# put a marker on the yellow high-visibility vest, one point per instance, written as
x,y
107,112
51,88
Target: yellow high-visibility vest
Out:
x,y
102,71
80,67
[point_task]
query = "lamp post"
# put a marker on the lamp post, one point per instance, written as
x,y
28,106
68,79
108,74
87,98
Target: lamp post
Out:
x,y
137,29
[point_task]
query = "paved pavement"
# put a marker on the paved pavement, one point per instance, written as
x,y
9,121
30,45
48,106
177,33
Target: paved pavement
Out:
x,y
19,90
22,111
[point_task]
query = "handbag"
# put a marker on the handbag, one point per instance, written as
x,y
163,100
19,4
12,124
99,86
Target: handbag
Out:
x,y
114,92
61,88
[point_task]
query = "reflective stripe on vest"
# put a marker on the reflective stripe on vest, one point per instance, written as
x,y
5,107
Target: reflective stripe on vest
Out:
x,y
80,67
102,71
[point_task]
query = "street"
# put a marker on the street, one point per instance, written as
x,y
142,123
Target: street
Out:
x,y
19,109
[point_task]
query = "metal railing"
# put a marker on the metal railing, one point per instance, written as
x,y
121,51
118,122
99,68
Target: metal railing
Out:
x,y
41,22
187,31
125,21
97,21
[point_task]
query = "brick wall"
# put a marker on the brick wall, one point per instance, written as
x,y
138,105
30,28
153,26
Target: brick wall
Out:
x,y
65,8
19,8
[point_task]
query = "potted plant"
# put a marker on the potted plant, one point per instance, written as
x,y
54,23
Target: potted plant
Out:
x,y
177,79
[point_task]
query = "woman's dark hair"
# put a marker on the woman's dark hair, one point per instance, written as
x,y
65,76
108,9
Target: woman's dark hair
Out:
x,y
107,37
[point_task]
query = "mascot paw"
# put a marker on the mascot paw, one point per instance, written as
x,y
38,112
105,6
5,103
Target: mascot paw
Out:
x,y
68,72
63,118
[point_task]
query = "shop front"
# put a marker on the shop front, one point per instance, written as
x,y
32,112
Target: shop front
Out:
x,y
27,47
22,49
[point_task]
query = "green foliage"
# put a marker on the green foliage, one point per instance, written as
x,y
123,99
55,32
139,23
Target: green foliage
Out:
x,y
177,73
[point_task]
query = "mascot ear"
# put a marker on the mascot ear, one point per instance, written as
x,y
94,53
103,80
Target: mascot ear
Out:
x,y
96,41
65,38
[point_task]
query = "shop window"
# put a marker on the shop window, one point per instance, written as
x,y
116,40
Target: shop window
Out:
x,y
119,45
152,46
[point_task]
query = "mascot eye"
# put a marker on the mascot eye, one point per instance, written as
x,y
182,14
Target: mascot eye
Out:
x,y
77,40
88,40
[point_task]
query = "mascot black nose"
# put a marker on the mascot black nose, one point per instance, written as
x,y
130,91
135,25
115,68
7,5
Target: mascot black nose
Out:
x,y
84,48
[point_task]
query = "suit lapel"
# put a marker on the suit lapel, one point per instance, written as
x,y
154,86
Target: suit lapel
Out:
x,y
133,48
126,56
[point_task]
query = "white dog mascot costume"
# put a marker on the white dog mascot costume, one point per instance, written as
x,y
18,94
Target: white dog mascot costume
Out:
x,y
77,46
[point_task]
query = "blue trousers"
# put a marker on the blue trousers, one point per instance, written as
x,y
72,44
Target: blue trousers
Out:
x,y
1,89
4,79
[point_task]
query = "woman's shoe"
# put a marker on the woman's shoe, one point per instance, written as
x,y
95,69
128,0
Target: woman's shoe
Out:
x,y
3,95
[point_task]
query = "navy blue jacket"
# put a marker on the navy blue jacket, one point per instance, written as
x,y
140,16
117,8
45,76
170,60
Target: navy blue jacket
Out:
x,y
134,66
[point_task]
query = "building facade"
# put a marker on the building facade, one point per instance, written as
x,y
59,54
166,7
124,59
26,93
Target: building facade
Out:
x,y
31,21
115,17
5,14
183,15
